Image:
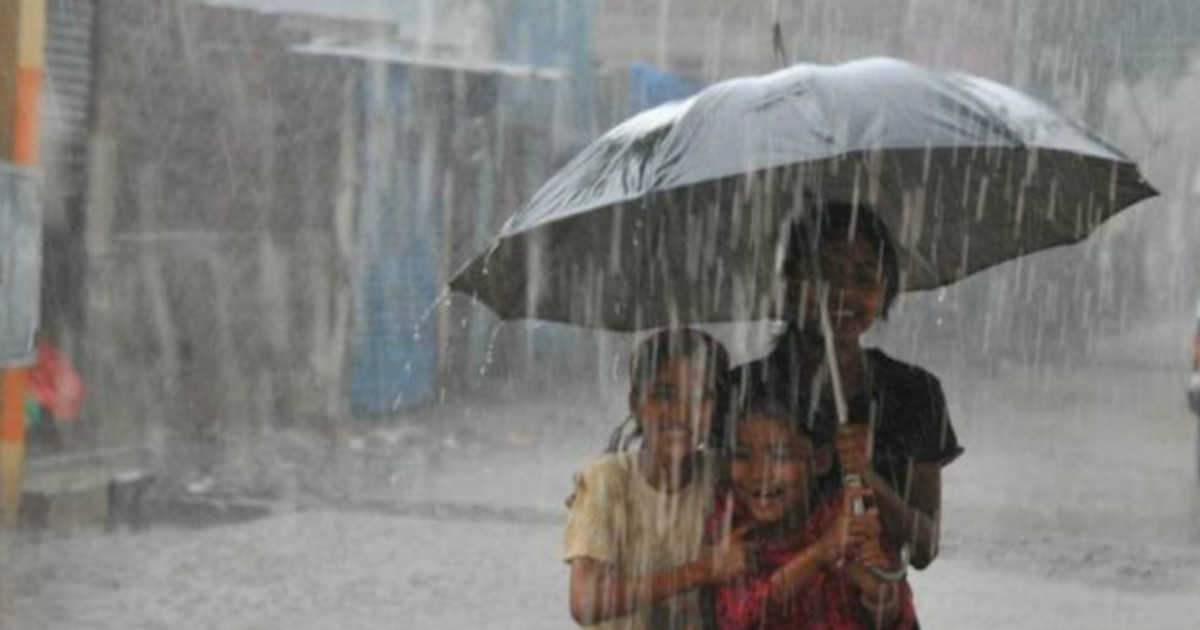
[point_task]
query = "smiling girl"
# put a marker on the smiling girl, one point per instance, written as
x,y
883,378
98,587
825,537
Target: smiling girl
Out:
x,y
811,551
636,524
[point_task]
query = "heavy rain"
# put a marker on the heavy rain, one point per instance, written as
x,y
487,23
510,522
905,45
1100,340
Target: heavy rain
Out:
x,y
452,314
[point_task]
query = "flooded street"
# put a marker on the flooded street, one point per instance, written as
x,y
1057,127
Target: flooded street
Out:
x,y
1105,449
1075,504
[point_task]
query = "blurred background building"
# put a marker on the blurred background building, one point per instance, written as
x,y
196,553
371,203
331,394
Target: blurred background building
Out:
x,y
251,209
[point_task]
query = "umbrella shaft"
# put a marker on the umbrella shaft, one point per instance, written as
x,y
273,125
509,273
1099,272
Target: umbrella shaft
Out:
x,y
835,374
855,480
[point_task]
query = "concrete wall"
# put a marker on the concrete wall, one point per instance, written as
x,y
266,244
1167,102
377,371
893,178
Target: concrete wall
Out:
x,y
216,266
223,231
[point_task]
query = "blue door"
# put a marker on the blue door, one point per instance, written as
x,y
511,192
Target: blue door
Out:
x,y
394,355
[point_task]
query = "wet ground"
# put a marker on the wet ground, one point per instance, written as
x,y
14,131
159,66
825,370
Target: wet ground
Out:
x,y
1105,448
1077,504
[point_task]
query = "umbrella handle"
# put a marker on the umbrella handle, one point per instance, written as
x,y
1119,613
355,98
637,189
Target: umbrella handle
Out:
x,y
894,575
855,480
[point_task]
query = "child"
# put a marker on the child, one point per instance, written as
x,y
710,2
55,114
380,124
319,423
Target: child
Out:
x,y
637,519
911,432
811,551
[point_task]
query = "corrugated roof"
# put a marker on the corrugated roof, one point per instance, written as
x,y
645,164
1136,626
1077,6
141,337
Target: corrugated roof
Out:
x,y
455,65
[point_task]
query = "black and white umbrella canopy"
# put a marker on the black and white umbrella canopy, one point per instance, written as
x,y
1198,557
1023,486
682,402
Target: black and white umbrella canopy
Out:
x,y
678,214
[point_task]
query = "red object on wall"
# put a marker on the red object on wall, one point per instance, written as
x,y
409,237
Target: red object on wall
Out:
x,y
55,383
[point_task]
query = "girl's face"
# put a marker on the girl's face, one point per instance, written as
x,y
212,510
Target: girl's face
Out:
x,y
772,467
675,408
854,277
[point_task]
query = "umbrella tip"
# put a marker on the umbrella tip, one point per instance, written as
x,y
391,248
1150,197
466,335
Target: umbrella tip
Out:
x,y
781,56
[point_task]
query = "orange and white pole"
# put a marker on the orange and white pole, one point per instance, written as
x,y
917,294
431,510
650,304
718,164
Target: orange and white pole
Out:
x,y
31,73
12,442
22,72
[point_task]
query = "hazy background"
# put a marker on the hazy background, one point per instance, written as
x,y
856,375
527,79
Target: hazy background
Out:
x,y
252,208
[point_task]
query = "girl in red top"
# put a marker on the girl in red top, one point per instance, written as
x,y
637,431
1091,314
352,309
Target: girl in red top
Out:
x,y
810,550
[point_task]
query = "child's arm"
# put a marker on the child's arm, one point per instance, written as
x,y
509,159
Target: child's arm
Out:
x,y
791,579
598,593
914,522
846,532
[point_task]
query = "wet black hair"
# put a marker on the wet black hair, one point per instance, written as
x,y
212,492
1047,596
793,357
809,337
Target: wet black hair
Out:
x,y
824,482
655,352
778,410
846,221
775,409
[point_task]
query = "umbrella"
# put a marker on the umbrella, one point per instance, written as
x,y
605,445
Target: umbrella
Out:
x,y
663,220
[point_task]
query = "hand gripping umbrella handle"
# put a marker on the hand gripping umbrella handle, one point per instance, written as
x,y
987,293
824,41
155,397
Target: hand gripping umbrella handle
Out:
x,y
855,480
